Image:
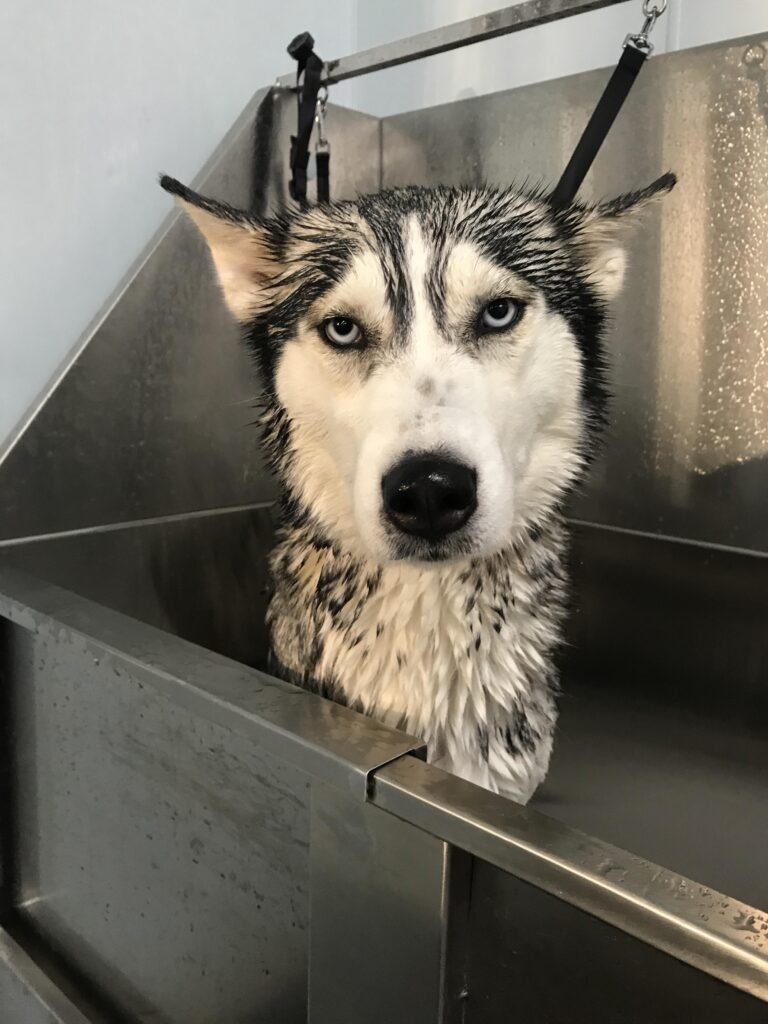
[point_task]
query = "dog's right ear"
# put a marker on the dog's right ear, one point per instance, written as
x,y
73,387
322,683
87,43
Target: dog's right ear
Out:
x,y
239,245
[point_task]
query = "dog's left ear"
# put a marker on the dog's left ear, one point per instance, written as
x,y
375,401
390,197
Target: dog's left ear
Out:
x,y
594,230
239,245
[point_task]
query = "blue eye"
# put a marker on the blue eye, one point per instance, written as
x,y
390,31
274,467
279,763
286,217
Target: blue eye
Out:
x,y
342,331
500,314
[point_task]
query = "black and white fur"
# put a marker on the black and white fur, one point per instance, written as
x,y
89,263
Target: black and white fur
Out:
x,y
450,639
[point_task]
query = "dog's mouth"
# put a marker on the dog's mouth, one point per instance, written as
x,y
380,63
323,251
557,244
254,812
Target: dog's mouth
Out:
x,y
413,549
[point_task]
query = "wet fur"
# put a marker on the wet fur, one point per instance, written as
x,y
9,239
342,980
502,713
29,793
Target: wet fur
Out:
x,y
453,642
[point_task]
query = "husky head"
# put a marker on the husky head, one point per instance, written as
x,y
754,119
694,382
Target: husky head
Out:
x,y
431,360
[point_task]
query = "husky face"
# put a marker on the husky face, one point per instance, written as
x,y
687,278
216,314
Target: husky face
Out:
x,y
431,357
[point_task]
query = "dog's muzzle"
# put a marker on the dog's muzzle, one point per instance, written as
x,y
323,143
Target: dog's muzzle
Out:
x,y
429,496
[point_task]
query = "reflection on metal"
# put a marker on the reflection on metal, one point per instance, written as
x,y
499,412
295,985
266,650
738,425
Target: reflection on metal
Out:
x,y
684,623
202,577
688,450
523,15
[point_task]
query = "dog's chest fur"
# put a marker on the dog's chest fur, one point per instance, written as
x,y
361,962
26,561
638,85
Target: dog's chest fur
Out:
x,y
459,655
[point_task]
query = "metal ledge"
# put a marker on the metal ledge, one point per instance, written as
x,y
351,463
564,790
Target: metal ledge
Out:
x,y
701,927
27,993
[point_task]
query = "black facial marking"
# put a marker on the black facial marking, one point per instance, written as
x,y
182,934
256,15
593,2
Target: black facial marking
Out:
x,y
482,740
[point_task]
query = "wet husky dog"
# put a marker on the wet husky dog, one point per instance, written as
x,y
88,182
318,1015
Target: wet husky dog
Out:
x,y
433,390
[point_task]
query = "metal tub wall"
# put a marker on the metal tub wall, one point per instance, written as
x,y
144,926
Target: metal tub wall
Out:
x,y
686,453
190,841
158,845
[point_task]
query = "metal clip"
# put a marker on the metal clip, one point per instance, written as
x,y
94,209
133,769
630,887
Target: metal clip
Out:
x,y
322,145
652,11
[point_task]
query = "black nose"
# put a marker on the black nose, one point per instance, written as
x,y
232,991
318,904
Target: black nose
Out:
x,y
429,497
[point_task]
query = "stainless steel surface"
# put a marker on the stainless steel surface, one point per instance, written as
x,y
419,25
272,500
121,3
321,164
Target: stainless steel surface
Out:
x,y
331,742
382,917
691,922
162,817
515,18
160,810
687,453
163,851
27,995
554,963
676,786
681,623
692,759
205,578
153,415
202,577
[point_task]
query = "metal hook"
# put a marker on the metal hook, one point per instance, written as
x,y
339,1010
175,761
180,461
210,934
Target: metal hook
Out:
x,y
322,145
652,11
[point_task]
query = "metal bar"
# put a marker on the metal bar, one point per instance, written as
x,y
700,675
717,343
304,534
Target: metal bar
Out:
x,y
709,931
27,994
382,921
520,16
324,739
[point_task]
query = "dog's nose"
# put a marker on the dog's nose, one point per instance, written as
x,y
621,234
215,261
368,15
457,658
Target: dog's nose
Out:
x,y
430,497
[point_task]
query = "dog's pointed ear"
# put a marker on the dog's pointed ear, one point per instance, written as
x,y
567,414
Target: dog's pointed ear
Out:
x,y
239,246
595,231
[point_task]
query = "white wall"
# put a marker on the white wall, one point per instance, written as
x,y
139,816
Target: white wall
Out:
x,y
97,96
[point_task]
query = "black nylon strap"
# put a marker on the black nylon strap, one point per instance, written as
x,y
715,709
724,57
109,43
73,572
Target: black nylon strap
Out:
x,y
323,162
312,67
605,113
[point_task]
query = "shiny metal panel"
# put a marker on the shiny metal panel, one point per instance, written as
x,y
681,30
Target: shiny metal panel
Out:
x,y
384,901
687,452
677,786
27,995
554,963
164,853
146,769
202,577
515,18
684,625
688,921
205,578
160,810
154,415
324,739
